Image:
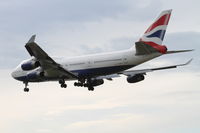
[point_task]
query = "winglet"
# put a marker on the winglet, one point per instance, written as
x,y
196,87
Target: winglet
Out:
x,y
188,62
32,39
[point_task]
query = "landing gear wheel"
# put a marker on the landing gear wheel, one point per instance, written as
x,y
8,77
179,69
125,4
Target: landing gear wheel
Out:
x,y
26,89
75,84
91,88
89,85
63,85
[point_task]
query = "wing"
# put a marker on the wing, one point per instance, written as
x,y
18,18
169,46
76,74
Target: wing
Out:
x,y
49,66
142,71
108,77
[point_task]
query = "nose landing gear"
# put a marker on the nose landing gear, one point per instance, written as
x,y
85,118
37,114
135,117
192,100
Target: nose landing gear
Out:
x,y
26,89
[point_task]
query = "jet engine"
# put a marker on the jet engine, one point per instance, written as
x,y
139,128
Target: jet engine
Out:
x,y
97,82
136,78
35,75
30,64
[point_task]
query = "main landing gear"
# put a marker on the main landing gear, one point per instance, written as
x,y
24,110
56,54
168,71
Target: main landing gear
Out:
x,y
62,83
26,89
81,83
90,88
87,84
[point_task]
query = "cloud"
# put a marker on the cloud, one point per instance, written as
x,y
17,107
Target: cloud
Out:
x,y
107,104
119,120
38,15
43,131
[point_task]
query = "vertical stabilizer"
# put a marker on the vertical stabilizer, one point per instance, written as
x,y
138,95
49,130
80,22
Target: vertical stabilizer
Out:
x,y
152,39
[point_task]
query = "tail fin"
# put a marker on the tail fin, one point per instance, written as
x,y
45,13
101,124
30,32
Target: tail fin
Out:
x,y
153,37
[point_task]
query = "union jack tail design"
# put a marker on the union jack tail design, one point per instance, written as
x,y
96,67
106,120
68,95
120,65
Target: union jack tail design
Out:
x,y
154,35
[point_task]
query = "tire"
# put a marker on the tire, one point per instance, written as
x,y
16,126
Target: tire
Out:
x,y
65,85
26,89
91,88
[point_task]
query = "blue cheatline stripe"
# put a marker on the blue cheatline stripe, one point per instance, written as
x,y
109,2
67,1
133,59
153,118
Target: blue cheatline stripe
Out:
x,y
159,34
101,71
21,78
91,72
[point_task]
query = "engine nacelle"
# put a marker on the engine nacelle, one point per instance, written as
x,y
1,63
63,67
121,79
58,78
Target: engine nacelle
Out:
x,y
35,75
30,65
136,78
97,82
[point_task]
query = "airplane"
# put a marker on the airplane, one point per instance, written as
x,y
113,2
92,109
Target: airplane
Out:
x,y
91,70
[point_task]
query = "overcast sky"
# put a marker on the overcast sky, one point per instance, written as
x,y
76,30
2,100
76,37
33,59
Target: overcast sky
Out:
x,y
166,101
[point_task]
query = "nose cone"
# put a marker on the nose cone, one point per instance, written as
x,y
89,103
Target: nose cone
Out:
x,y
18,74
13,74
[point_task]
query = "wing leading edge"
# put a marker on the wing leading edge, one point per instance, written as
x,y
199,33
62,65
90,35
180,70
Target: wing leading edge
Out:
x,y
142,71
49,66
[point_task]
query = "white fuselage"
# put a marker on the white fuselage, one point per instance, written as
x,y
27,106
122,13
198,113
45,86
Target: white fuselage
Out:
x,y
94,65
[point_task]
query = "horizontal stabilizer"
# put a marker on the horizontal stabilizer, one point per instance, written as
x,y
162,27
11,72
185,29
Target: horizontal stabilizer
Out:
x,y
179,51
